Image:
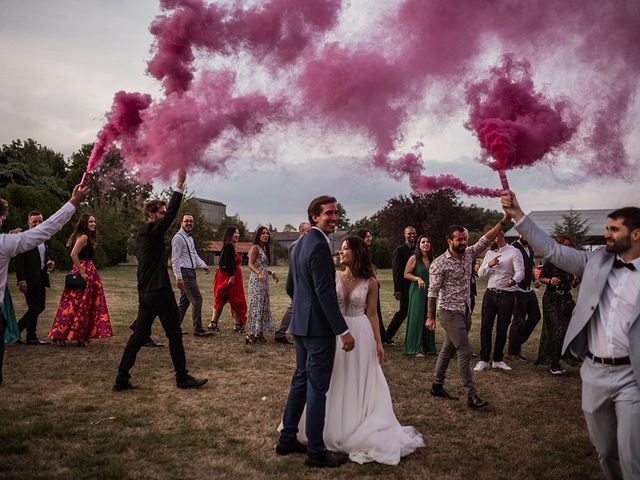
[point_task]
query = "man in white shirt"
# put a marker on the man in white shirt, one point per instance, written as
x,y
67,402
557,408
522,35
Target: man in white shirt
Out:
x,y
185,260
14,244
505,268
604,332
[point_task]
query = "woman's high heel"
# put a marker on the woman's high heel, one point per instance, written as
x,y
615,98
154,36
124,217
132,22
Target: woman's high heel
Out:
x,y
249,339
260,338
213,326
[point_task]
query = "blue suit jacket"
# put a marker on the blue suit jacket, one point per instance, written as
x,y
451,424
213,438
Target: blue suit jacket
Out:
x,y
594,269
311,284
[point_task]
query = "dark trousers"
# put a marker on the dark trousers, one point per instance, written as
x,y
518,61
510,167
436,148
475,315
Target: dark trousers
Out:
x,y
284,323
526,315
36,298
383,333
157,303
494,305
3,326
399,317
190,295
309,385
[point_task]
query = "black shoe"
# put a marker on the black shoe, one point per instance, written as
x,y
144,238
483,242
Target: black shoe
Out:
x,y
151,343
119,387
326,460
438,390
190,382
202,333
290,447
475,402
388,341
36,341
283,340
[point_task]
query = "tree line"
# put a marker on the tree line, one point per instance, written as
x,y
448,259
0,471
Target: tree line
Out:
x,y
34,177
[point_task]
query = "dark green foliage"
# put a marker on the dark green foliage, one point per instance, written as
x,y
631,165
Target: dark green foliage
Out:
x,y
573,226
236,221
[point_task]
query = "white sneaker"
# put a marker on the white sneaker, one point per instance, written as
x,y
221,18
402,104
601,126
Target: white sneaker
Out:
x,y
500,365
480,366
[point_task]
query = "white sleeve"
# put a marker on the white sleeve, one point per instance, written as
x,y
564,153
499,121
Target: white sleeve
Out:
x,y
176,252
485,269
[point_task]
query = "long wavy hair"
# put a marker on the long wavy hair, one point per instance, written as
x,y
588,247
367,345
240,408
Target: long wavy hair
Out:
x,y
82,228
265,246
418,252
361,265
562,239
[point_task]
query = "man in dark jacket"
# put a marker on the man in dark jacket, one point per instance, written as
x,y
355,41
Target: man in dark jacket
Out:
x,y
155,295
401,255
32,270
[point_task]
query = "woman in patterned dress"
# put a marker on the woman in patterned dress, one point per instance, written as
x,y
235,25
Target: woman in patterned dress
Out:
x,y
82,314
227,284
260,319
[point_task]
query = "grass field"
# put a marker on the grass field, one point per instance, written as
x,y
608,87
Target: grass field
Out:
x,y
59,418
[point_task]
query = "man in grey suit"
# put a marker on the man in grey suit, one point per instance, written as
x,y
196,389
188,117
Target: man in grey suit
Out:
x,y
281,333
604,332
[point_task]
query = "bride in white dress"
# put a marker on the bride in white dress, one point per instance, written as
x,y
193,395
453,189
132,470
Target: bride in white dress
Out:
x,y
359,414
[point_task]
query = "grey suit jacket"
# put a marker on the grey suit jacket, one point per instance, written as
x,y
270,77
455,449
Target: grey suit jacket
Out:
x,y
594,267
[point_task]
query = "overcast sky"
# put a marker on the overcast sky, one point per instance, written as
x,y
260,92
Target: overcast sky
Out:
x,y
63,60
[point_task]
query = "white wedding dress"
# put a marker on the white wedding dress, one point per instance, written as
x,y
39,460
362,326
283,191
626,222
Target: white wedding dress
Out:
x,y
359,414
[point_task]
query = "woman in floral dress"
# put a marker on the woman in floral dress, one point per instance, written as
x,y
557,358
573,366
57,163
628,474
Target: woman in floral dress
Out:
x,y
260,319
82,313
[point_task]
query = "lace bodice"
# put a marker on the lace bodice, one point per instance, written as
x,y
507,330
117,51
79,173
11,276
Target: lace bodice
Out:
x,y
356,304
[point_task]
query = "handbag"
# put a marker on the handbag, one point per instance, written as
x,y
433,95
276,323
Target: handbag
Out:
x,y
73,281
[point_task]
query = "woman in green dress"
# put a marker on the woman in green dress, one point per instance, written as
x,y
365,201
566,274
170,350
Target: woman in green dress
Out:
x,y
418,340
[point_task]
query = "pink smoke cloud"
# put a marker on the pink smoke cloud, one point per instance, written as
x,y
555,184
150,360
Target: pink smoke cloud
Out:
x,y
371,86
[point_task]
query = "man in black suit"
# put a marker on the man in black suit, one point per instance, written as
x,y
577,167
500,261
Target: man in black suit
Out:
x,y
32,270
401,255
316,322
155,295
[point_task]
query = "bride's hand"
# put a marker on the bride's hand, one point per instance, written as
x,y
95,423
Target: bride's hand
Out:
x,y
348,342
380,353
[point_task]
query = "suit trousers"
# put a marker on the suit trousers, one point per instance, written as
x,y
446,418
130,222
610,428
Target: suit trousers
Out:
x,y
285,322
526,315
456,327
611,406
494,305
309,385
3,326
36,299
156,303
190,295
399,317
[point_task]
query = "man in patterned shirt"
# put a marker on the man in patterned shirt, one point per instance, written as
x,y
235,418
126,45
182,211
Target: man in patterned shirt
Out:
x,y
449,283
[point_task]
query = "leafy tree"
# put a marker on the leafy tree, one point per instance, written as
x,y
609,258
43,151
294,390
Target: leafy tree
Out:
x,y
366,223
236,221
289,228
343,223
573,226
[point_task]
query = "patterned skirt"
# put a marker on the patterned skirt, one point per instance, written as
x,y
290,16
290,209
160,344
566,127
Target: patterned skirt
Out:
x,y
82,314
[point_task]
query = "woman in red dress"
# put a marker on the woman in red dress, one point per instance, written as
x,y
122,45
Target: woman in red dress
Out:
x,y
227,285
82,314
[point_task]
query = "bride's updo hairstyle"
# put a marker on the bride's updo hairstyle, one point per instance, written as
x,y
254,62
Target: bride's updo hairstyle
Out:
x,y
361,265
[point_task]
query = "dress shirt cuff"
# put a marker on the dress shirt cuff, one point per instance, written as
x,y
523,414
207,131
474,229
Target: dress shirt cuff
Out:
x,y
179,190
343,333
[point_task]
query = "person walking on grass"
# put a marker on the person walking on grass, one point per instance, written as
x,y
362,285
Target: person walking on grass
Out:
x,y
16,243
449,285
604,331
155,295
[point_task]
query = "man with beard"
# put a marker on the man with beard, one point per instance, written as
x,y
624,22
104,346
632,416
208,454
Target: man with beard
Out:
x,y
449,287
401,285
604,332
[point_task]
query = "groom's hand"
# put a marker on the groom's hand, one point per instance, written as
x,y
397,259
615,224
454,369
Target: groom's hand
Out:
x,y
348,342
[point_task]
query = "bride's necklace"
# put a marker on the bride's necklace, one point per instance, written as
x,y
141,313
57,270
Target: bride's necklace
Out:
x,y
348,276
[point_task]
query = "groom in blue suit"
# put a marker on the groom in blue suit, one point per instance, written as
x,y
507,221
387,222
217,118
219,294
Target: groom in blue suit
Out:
x,y
604,332
315,323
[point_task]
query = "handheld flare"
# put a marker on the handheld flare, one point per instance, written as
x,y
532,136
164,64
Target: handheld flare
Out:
x,y
85,177
503,179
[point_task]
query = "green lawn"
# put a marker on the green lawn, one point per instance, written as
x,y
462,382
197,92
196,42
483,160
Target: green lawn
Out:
x,y
59,418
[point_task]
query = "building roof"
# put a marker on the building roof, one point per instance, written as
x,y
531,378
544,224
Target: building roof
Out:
x,y
546,219
216,246
210,202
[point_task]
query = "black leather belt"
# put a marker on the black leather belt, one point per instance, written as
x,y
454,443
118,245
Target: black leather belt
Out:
x,y
610,361
497,291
